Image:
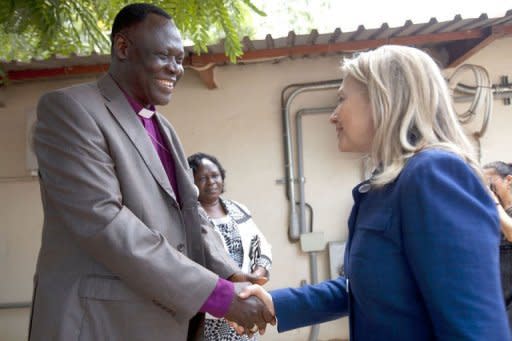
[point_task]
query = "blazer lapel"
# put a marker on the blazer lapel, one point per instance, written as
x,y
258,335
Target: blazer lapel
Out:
x,y
119,107
188,193
184,180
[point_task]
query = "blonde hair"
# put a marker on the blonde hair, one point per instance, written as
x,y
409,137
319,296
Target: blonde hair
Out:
x,y
411,108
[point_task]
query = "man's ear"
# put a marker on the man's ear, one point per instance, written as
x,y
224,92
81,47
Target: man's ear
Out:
x,y
120,46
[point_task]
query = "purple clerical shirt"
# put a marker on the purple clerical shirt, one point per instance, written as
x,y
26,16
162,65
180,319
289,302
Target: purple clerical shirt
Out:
x,y
217,304
151,126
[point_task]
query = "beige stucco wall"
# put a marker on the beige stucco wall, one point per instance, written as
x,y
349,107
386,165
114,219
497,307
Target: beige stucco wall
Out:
x,y
240,123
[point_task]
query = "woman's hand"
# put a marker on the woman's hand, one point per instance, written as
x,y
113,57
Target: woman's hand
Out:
x,y
262,273
243,277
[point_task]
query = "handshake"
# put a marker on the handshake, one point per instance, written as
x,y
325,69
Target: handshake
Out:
x,y
251,310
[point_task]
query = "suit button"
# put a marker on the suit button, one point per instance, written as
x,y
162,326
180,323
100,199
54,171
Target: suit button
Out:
x,y
181,247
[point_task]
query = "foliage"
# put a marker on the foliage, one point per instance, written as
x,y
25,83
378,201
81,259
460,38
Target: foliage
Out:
x,y
41,28
300,16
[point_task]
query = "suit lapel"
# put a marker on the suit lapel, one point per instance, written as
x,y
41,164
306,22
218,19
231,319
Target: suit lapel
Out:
x,y
119,107
187,190
183,179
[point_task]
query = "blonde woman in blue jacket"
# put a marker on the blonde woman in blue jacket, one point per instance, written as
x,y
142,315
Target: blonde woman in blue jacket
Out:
x,y
422,256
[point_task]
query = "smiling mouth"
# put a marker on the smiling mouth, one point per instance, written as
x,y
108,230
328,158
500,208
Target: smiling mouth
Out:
x,y
169,85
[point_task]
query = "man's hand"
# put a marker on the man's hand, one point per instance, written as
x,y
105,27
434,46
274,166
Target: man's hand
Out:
x,y
262,294
250,314
253,291
243,277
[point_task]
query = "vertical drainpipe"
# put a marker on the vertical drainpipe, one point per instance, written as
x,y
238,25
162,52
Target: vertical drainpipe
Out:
x,y
294,228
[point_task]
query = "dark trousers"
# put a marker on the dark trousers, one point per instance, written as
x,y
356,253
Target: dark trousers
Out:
x,y
196,328
506,278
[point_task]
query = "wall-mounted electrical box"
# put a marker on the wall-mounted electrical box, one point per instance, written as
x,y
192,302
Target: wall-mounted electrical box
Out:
x,y
313,241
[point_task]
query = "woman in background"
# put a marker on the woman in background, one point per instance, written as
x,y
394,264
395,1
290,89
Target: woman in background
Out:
x,y
499,178
241,237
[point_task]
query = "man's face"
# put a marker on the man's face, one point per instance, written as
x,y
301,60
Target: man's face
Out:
x,y
154,57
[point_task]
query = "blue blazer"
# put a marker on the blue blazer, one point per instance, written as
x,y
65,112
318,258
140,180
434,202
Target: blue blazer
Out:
x,y
421,262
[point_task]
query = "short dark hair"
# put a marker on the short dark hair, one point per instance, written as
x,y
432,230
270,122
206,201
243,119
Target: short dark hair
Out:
x,y
133,14
194,161
501,168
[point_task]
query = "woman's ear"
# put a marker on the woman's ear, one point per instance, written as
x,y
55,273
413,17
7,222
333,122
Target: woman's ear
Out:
x,y
508,180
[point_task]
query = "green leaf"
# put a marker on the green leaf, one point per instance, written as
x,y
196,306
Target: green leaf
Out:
x,y
40,28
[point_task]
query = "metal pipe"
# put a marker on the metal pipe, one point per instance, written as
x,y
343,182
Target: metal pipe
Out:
x,y
499,91
13,179
469,98
293,229
15,305
313,256
300,160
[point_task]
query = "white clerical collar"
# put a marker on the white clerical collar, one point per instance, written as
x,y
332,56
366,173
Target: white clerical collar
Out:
x,y
146,113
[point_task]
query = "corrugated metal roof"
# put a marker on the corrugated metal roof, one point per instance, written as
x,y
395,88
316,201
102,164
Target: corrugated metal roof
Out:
x,y
361,34
57,61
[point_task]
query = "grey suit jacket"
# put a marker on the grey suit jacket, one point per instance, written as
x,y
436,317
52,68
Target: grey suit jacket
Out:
x,y
120,258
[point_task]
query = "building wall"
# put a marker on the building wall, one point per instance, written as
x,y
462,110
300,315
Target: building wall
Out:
x,y
240,123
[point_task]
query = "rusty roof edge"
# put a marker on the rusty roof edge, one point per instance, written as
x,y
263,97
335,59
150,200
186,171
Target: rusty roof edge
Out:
x,y
59,61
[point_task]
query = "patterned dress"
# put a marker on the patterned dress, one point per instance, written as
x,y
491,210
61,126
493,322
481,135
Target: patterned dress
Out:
x,y
506,272
249,249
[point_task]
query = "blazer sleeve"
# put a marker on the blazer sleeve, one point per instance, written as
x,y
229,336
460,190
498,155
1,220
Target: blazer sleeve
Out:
x,y
310,304
78,181
451,237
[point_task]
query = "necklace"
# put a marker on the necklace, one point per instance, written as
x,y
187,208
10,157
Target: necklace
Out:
x,y
158,143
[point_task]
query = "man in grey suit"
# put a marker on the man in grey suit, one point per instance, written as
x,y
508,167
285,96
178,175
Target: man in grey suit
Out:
x,y
126,254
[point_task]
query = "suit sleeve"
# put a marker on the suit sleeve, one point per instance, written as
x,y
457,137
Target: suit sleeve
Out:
x,y
79,183
451,236
310,304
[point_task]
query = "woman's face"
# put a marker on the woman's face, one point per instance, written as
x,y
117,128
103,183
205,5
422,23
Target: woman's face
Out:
x,y
209,181
500,186
353,118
